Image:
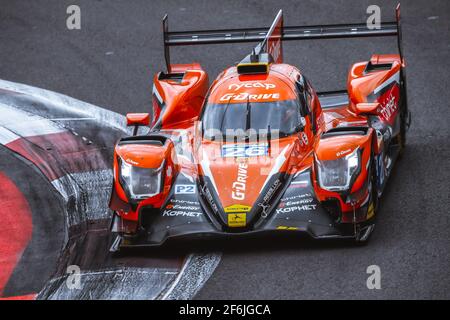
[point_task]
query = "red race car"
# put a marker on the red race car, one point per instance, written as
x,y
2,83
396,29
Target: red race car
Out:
x,y
259,150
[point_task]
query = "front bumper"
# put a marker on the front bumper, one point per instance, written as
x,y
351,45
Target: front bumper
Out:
x,y
157,236
296,210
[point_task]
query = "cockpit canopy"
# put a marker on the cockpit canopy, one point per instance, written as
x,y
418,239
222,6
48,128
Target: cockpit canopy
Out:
x,y
249,118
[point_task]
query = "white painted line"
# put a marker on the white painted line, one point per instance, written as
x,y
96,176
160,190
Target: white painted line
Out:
x,y
7,136
197,269
25,124
67,103
71,119
177,280
90,192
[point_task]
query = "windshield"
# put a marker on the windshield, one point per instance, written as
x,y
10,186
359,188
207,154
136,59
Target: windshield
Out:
x,y
280,116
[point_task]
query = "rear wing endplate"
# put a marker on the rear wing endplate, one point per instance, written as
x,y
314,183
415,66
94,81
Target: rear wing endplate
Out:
x,y
335,31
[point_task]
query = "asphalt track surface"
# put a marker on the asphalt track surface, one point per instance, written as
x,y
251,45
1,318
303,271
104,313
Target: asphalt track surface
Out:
x,y
110,62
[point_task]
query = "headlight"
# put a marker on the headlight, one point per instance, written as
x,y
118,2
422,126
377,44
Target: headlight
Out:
x,y
336,175
140,182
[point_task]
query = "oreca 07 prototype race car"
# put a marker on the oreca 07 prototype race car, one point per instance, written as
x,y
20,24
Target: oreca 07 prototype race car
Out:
x,y
259,150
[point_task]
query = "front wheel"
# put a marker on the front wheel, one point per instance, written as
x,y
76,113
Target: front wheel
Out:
x,y
405,118
401,137
364,232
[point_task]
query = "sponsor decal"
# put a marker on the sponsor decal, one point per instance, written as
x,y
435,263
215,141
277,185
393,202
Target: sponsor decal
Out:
x,y
305,207
181,207
244,150
205,191
304,139
194,203
184,189
237,220
182,213
298,196
343,152
272,190
131,161
275,49
248,85
389,108
244,96
238,186
237,208
295,203
265,208
265,203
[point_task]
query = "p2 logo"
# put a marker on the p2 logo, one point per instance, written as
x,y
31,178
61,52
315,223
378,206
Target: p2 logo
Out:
x,y
184,189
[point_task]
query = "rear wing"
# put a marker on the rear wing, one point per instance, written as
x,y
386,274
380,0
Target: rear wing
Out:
x,y
270,38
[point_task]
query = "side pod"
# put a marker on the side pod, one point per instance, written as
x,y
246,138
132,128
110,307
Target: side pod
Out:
x,y
366,80
178,96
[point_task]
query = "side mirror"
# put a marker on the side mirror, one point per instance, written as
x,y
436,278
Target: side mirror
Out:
x,y
137,120
367,108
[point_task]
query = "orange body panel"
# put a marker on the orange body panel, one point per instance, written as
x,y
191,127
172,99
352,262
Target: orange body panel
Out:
x,y
384,58
367,108
140,119
137,155
361,84
177,101
235,88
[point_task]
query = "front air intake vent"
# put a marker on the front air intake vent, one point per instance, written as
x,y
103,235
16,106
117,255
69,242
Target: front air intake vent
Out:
x,y
370,67
176,77
252,68
345,130
158,140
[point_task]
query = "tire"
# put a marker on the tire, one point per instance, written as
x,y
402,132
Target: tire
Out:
x,y
363,235
405,119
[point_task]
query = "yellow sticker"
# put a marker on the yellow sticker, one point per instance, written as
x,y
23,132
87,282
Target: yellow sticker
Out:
x,y
237,208
370,211
287,228
237,220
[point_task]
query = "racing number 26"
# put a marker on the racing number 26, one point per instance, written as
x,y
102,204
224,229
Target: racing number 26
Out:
x,y
244,151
